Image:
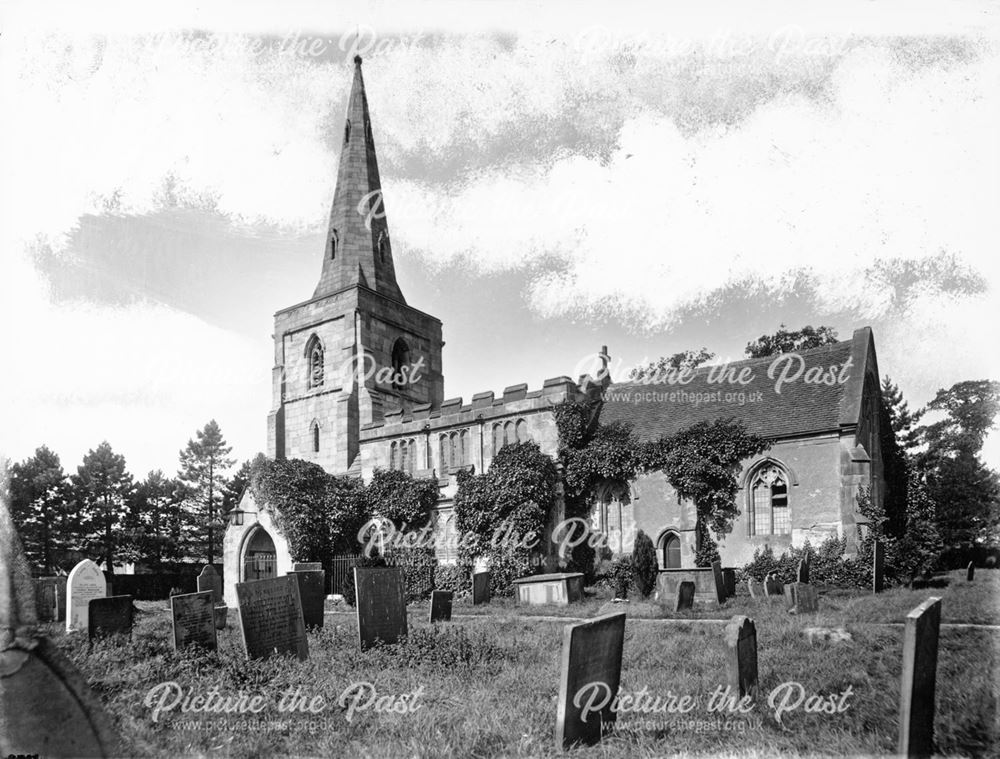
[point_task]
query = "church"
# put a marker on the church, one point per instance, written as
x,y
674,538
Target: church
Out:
x,y
358,385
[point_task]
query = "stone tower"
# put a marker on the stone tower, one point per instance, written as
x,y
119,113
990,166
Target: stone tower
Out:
x,y
355,350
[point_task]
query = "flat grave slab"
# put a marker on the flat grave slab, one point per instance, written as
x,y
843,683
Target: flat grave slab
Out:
x,y
560,588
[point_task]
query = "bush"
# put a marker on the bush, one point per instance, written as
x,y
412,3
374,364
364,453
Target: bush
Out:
x,y
418,571
621,575
645,564
362,561
457,578
827,564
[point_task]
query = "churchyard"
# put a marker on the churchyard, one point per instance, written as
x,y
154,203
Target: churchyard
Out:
x,y
487,682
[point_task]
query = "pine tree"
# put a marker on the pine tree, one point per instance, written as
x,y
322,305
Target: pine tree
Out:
x,y
103,487
154,522
203,466
919,548
903,421
646,566
43,509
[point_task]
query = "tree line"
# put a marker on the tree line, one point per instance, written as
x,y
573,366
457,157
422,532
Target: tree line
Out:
x,y
102,511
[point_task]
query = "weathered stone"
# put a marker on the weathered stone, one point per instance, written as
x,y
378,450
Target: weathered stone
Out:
x,y
741,645
806,599
193,619
85,583
440,610
720,583
312,593
773,588
50,599
591,669
209,580
916,701
802,573
307,566
729,579
878,567
480,588
271,618
560,588
109,616
685,596
832,635
755,590
970,572
789,595
380,604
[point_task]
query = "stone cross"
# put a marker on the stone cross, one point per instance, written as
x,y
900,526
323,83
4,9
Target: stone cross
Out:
x,y
916,701
741,657
44,700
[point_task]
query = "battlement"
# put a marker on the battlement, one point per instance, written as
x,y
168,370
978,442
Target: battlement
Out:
x,y
486,406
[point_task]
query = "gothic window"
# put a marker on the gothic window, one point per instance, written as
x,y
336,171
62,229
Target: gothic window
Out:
x,y
394,455
463,444
383,245
769,502
315,437
347,132
670,551
400,360
522,431
314,353
444,448
508,433
497,438
334,242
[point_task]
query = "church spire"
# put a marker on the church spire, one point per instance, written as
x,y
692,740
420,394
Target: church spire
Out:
x,y
358,250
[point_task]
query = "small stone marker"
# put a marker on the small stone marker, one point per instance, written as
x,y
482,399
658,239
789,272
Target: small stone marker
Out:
x,y
772,587
720,582
741,647
805,598
50,599
209,580
591,663
380,604
193,617
109,616
916,702
755,591
878,567
685,596
790,599
85,583
271,618
441,605
970,572
46,706
312,593
480,588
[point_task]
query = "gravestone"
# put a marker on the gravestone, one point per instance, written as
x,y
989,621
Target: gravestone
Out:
x,y
85,583
271,618
720,582
441,605
804,598
802,575
755,591
916,702
591,663
970,572
685,596
209,580
193,618
50,599
790,599
773,588
480,588
741,656
46,706
878,567
109,616
729,577
312,594
380,604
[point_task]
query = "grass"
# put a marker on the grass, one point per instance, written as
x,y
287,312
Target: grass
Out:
x,y
489,684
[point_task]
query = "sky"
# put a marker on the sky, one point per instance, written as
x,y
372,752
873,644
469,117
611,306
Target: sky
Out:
x,y
557,177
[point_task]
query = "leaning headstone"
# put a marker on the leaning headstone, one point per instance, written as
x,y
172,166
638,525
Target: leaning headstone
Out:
x,y
86,582
773,588
590,673
970,572
271,618
193,618
109,616
720,582
480,588
805,598
755,591
916,702
741,648
380,604
312,593
209,580
441,606
878,567
685,596
802,574
46,706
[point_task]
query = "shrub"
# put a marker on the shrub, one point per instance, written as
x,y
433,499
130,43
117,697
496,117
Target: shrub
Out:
x,y
621,575
645,564
362,561
457,578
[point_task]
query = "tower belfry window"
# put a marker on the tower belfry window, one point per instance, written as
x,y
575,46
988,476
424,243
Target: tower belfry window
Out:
x,y
347,132
400,363
314,352
334,242
383,245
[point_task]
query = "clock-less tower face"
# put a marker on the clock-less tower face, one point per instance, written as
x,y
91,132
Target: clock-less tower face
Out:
x,y
355,349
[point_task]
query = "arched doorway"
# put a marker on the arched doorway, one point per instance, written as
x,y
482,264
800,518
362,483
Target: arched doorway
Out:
x,y
259,557
669,550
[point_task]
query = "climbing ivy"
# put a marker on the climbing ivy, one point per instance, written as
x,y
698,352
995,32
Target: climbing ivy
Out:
x,y
396,495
